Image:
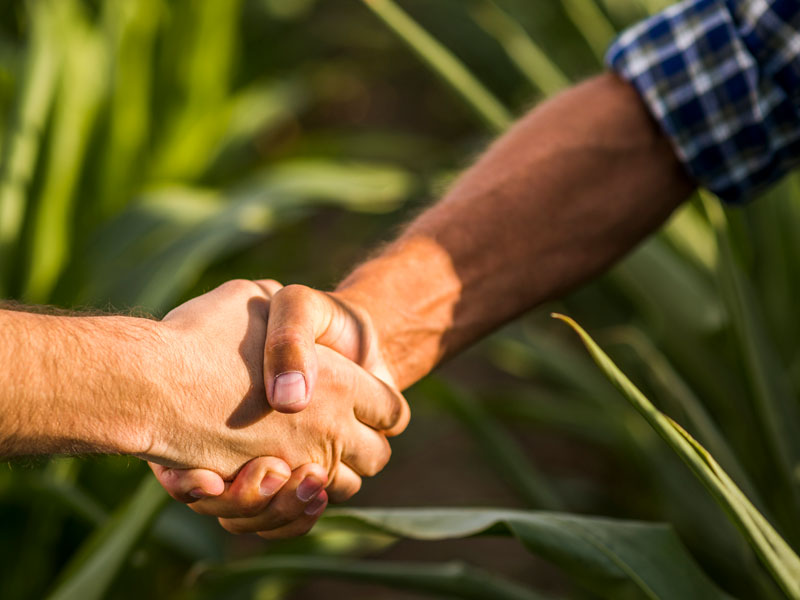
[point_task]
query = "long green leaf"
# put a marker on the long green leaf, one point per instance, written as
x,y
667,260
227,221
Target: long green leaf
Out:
x,y
80,92
156,249
499,447
94,567
443,63
773,550
690,233
775,403
21,149
454,579
668,290
529,58
675,388
131,29
592,23
607,554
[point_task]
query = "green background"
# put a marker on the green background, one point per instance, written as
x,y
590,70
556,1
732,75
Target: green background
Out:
x,y
152,150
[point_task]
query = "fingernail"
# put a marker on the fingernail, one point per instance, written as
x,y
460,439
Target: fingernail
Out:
x,y
290,388
271,483
198,493
315,507
308,488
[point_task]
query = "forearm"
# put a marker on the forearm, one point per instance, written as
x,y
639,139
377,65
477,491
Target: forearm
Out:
x,y
76,384
571,188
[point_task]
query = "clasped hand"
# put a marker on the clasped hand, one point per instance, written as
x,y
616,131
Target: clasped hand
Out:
x,y
229,355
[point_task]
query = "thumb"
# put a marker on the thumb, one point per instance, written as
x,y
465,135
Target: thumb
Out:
x,y
297,316
300,318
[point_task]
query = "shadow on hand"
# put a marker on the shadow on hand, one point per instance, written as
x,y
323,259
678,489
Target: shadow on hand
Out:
x,y
254,405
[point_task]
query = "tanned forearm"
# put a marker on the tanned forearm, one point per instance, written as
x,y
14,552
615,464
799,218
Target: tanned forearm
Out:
x,y
76,384
569,189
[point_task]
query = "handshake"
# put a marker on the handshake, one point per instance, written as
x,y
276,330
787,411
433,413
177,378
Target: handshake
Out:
x,y
258,403
279,400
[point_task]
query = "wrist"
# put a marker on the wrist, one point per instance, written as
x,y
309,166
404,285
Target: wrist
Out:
x,y
140,387
409,294
164,379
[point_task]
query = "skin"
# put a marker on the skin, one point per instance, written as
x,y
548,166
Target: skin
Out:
x,y
188,391
571,188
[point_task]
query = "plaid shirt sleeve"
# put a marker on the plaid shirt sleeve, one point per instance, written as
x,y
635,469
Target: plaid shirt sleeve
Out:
x,y
722,77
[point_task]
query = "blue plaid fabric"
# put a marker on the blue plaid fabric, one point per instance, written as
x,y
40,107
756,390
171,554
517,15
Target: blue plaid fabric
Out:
x,y
722,77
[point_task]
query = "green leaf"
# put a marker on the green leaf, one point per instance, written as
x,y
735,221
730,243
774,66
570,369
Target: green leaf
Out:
x,y
669,290
592,23
690,233
454,579
496,443
155,250
674,388
198,139
93,568
81,90
442,62
775,553
529,58
772,394
131,29
607,554
21,149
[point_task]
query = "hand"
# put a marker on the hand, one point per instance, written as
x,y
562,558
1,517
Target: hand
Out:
x,y
266,497
286,514
300,318
217,418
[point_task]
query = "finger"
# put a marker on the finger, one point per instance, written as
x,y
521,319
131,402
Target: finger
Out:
x,y
298,315
366,451
188,485
270,286
250,492
375,403
302,525
344,484
382,408
289,504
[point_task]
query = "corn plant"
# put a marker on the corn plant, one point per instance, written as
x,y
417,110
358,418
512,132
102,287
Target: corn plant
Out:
x,y
151,149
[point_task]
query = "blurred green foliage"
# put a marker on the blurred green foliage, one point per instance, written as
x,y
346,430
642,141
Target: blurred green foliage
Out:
x,y
153,149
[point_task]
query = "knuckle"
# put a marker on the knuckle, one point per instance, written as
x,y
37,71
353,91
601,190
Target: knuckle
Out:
x,y
395,410
377,464
276,465
400,415
382,458
294,292
272,283
282,337
238,285
342,492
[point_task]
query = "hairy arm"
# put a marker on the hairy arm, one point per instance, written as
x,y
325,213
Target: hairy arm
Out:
x,y
77,384
573,186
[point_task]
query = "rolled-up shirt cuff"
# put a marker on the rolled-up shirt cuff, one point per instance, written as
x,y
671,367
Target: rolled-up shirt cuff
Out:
x,y
722,78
